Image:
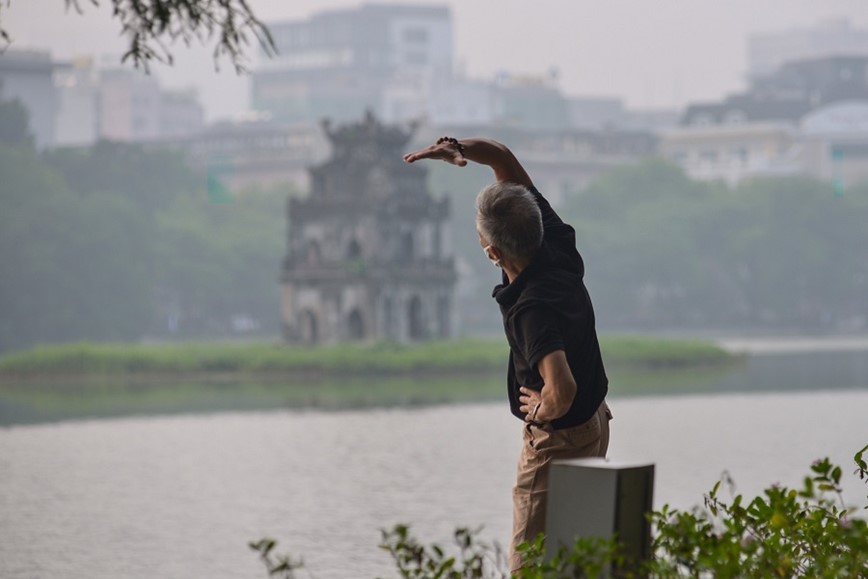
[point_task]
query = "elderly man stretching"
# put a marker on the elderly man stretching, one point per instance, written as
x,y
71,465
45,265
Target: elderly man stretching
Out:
x,y
556,381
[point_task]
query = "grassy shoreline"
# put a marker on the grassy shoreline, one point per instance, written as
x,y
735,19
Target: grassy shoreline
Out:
x,y
264,360
86,381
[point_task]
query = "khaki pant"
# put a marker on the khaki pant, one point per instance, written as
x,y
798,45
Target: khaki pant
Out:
x,y
540,447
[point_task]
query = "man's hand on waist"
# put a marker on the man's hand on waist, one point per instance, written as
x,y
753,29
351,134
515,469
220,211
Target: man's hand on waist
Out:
x,y
531,402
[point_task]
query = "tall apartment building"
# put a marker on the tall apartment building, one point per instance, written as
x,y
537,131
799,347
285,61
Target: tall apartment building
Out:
x,y
340,63
120,104
27,76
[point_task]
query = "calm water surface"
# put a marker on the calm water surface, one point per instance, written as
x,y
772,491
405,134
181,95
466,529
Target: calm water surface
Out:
x,y
180,497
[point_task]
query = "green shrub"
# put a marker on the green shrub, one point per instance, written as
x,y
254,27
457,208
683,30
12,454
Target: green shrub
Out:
x,y
781,533
808,532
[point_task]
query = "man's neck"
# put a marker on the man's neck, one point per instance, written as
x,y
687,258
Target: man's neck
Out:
x,y
513,268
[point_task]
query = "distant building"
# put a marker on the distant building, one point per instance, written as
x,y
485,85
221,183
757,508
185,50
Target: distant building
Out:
x,y
397,60
340,63
249,154
530,101
788,93
649,120
609,113
133,107
75,103
129,105
592,113
833,143
733,151
456,102
768,52
564,161
27,76
367,254
77,86
263,153
181,114
770,129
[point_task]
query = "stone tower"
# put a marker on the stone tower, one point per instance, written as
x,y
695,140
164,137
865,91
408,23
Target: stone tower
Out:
x,y
366,257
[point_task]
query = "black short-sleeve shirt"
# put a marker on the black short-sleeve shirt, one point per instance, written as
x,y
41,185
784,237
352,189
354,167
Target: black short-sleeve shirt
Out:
x,y
547,308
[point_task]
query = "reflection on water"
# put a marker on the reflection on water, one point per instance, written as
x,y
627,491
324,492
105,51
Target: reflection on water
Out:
x,y
181,496
30,403
771,372
777,371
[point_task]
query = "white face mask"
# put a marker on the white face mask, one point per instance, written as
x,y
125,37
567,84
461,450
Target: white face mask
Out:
x,y
487,253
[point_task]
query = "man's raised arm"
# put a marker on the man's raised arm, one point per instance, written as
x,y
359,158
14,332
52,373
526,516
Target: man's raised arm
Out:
x,y
483,151
506,168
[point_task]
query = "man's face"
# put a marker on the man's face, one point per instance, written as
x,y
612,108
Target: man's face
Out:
x,y
492,253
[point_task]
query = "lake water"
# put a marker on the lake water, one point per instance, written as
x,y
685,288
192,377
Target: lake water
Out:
x,y
180,496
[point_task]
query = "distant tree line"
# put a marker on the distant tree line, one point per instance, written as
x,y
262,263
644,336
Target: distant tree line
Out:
x,y
664,252
115,242
782,254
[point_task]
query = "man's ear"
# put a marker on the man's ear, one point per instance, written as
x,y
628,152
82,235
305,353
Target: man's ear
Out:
x,y
495,253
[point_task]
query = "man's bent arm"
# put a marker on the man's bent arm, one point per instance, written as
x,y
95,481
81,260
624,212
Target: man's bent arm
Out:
x,y
559,386
483,151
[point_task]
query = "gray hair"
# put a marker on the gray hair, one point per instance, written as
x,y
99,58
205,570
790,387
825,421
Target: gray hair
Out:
x,y
508,217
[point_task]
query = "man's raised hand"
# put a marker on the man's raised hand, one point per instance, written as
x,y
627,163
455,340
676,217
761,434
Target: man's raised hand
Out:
x,y
445,149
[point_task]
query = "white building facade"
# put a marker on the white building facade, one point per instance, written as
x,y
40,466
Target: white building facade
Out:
x,y
27,76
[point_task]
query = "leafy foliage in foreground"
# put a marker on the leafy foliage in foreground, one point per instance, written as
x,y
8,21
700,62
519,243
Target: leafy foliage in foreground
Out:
x,y
783,532
276,565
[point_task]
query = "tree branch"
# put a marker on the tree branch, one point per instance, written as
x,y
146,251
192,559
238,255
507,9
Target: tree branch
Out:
x,y
152,26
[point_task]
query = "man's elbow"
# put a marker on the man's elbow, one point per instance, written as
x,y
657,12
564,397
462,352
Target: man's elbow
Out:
x,y
570,391
565,395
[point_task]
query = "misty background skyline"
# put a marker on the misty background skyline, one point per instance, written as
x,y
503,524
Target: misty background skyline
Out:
x,y
713,216
617,49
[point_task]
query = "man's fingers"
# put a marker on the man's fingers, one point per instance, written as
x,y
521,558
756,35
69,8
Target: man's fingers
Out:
x,y
437,152
416,155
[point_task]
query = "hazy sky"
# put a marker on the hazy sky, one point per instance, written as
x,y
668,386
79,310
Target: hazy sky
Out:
x,y
652,53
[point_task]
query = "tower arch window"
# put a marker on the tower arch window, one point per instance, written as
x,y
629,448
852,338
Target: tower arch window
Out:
x,y
407,250
354,250
415,319
313,253
309,327
388,318
443,315
355,326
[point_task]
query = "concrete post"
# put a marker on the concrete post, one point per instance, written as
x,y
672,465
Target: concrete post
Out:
x,y
598,498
